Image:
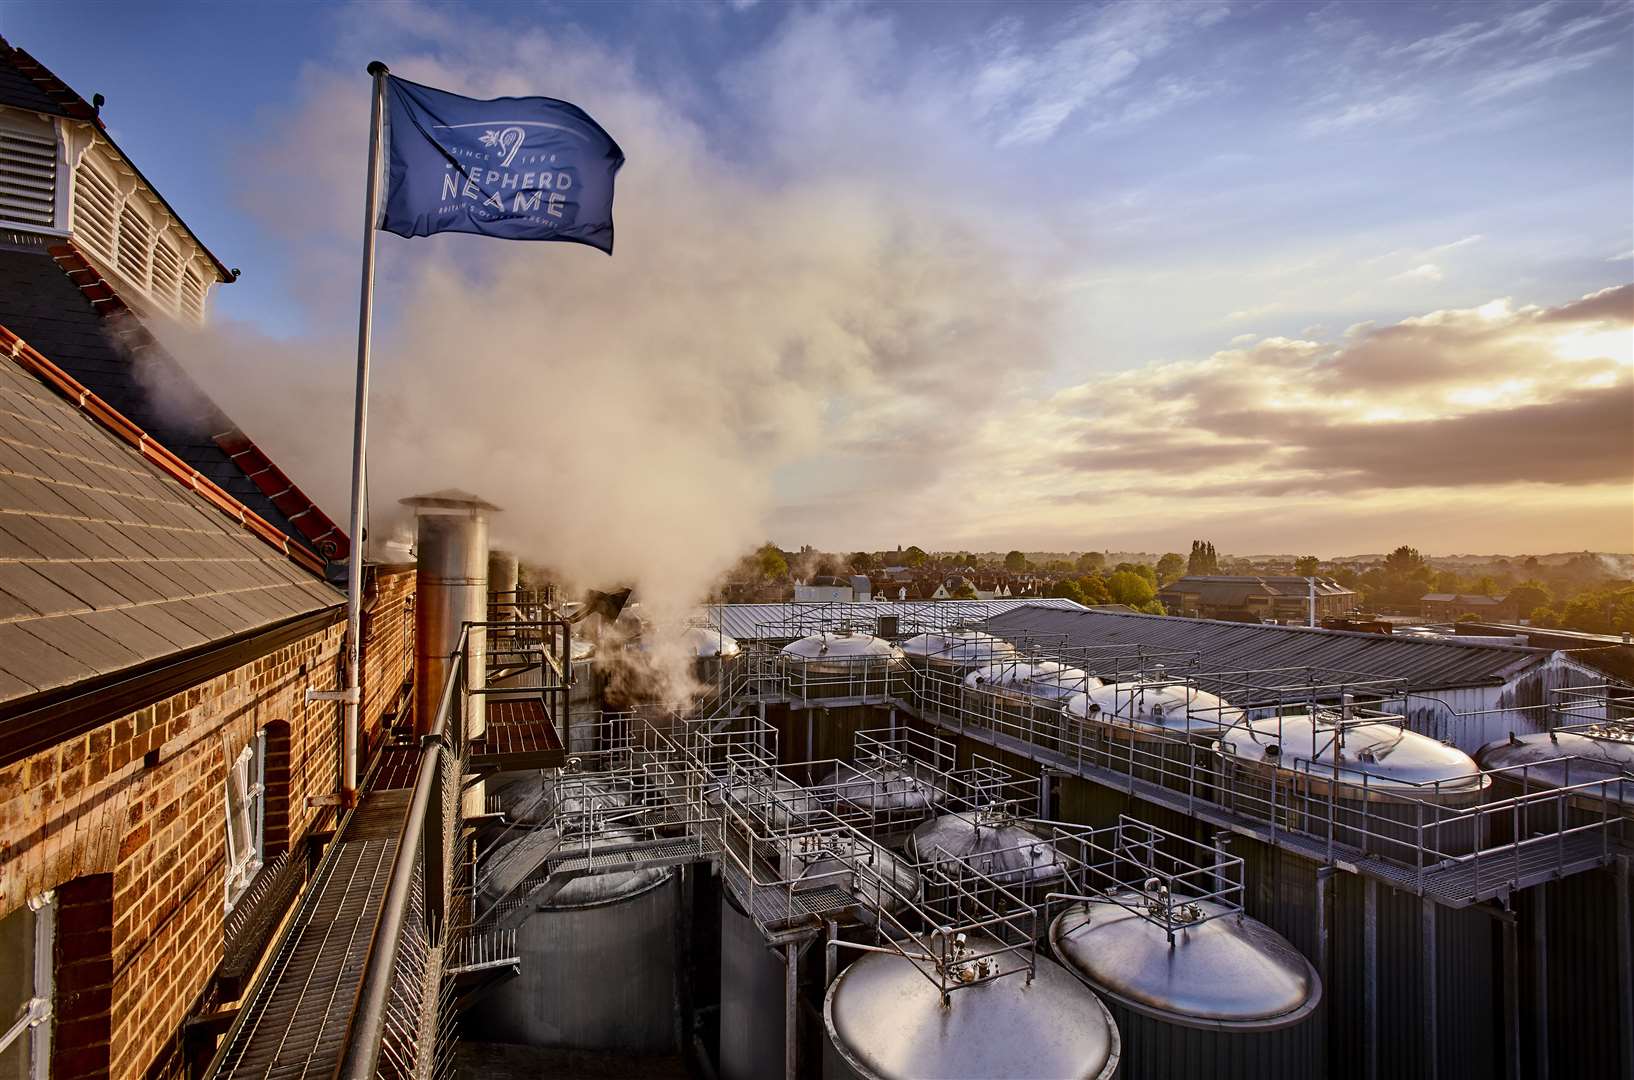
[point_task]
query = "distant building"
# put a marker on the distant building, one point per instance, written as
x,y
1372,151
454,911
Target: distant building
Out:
x,y
824,589
1450,607
1255,599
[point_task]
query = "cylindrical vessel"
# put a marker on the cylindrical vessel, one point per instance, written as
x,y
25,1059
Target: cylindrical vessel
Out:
x,y
1162,733
840,665
998,845
1378,787
753,987
1026,699
598,969
940,661
1544,762
885,1020
1229,1000
598,958
451,583
876,794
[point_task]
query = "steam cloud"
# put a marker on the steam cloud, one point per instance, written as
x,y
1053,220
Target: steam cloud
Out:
x,y
629,414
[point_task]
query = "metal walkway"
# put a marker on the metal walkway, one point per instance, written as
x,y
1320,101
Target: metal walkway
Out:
x,y
1455,884
295,1024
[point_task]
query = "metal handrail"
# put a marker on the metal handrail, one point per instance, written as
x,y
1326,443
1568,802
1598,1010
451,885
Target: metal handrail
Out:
x,y
365,1031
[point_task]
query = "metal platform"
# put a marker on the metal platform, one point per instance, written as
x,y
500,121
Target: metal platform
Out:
x,y
295,1023
519,735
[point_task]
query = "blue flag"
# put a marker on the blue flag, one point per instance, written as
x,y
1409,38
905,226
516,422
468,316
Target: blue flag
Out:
x,y
518,168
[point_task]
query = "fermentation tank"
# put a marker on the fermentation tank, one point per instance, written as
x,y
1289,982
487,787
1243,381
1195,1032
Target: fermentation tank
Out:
x,y
883,791
1026,698
997,844
753,977
1230,999
939,662
1372,783
831,666
885,1020
1544,762
1159,732
597,959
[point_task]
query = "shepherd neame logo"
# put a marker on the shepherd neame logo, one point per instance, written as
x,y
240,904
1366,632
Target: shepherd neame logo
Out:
x,y
532,192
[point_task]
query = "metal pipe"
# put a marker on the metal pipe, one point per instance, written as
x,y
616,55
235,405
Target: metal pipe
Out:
x,y
360,437
791,1013
365,1029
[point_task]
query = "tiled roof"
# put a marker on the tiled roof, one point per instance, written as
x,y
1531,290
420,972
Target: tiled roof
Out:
x,y
107,562
26,84
41,305
1229,646
1472,599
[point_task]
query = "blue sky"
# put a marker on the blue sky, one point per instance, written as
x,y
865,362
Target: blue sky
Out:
x,y
1111,195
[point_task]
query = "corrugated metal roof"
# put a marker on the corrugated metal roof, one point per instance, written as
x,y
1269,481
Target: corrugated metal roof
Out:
x,y
1231,646
106,562
751,622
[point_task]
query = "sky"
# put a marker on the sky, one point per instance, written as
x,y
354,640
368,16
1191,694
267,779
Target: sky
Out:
x,y
1295,278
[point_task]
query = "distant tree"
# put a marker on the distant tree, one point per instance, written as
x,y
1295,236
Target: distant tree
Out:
x,y
1404,560
1140,569
827,566
1170,567
863,561
1528,597
966,559
1346,576
1608,610
1015,562
1447,581
1203,559
1531,565
1093,588
1306,565
914,556
1066,589
1058,566
1486,585
962,591
770,564
1091,562
1127,587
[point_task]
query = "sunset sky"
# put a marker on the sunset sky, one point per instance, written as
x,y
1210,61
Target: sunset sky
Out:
x,y
1324,277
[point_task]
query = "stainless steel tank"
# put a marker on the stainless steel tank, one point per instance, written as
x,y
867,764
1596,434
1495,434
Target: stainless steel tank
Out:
x,y
451,582
1372,784
892,793
1231,999
1026,699
939,662
597,961
841,665
1162,733
885,1020
997,844
1544,762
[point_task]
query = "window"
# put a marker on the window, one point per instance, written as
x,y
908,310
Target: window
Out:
x,y
25,1001
246,806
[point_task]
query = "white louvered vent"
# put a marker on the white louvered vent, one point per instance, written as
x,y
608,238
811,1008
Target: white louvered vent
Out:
x,y
167,272
28,178
192,299
96,208
135,244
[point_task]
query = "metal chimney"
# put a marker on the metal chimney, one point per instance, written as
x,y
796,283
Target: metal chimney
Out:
x,y
502,575
451,579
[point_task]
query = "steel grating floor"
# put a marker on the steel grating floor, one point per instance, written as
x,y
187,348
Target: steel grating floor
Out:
x,y
519,734
295,1023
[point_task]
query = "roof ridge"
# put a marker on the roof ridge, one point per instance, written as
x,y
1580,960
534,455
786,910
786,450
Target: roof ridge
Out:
x,y
38,365
52,87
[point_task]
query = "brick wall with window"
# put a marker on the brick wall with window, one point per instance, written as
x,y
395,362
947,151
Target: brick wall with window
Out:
x,y
141,803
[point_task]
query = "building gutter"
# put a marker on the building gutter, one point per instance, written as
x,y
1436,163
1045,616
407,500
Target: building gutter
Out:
x,y
41,721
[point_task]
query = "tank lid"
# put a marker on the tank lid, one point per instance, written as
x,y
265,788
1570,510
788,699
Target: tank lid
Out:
x,y
1589,759
1229,971
993,842
959,646
1173,707
448,499
1391,756
887,1020
840,646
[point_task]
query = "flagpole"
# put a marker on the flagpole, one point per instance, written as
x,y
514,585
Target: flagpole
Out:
x,y
360,437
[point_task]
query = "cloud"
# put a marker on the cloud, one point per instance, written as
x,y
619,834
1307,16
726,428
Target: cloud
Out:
x,y
1422,272
1480,397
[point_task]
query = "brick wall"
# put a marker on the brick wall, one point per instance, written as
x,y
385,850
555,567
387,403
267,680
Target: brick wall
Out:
x,y
388,627
139,804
